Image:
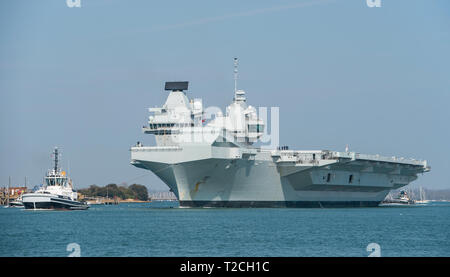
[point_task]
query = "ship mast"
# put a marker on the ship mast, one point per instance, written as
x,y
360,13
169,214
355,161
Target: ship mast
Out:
x,y
55,153
235,74
239,95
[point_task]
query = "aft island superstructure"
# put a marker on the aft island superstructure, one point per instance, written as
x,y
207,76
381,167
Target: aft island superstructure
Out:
x,y
215,163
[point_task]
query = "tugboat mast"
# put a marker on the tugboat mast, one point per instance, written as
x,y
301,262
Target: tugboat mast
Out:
x,y
55,153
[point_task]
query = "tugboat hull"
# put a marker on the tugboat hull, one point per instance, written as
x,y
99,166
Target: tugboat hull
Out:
x,y
51,202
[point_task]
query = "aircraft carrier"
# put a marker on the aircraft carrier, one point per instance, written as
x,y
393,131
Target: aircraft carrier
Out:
x,y
216,163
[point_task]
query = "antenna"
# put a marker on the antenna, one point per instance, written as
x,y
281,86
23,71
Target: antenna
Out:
x,y
235,73
176,86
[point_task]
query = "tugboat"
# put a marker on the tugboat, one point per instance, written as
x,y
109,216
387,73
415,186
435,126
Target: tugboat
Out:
x,y
56,194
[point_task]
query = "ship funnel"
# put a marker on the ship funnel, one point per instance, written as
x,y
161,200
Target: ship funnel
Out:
x,y
176,86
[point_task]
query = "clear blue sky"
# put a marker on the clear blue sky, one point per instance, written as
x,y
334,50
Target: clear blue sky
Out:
x,y
342,73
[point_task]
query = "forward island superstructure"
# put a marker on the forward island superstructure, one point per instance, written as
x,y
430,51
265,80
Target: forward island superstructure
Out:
x,y
215,163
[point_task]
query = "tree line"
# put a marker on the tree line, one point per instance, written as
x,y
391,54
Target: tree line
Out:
x,y
133,191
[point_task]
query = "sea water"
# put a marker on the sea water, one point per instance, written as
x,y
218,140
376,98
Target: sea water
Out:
x,y
163,229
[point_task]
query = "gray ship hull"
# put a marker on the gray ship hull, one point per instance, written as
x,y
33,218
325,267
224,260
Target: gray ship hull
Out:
x,y
278,204
261,181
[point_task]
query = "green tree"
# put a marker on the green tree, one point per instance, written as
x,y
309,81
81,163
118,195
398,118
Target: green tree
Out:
x,y
139,191
134,191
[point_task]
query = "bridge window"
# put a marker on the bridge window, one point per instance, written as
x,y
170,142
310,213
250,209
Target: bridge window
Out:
x,y
256,128
259,128
328,177
350,179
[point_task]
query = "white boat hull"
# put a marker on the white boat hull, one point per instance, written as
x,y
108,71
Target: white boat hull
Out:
x,y
51,202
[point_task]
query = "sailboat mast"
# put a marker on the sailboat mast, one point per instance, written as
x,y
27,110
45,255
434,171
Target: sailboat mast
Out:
x,y
7,192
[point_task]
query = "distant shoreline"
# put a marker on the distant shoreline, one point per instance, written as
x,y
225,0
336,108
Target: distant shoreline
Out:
x,y
115,201
134,201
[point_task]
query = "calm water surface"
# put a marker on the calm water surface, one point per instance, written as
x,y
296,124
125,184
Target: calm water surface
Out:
x,y
163,229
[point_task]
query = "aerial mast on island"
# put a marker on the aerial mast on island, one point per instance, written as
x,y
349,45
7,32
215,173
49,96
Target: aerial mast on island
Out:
x,y
235,74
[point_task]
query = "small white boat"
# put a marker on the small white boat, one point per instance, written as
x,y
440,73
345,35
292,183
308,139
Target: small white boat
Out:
x,y
17,203
401,199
